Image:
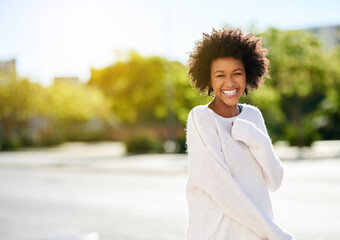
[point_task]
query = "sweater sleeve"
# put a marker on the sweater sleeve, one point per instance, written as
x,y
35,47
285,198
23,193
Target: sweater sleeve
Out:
x,y
261,147
214,177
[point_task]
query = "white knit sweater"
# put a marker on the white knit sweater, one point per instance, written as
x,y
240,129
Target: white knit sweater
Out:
x,y
231,168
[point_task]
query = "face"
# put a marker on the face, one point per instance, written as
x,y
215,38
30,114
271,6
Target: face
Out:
x,y
228,79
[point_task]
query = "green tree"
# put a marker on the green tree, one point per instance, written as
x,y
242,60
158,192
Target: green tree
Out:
x,y
68,108
60,112
147,89
297,88
19,102
67,102
327,118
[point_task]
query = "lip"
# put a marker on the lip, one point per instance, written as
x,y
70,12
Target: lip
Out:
x,y
229,92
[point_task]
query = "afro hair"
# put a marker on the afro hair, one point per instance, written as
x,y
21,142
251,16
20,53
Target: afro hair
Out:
x,y
228,43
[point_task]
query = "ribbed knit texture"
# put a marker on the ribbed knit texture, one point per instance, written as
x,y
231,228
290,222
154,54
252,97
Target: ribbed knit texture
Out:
x,y
232,166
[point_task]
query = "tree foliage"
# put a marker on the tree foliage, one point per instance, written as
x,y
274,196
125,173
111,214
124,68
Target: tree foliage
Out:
x,y
302,82
74,103
31,114
18,103
147,89
300,102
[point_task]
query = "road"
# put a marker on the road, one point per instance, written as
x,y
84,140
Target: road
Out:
x,y
62,195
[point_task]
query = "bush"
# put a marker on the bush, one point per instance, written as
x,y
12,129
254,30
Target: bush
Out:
x,y
10,144
181,140
143,144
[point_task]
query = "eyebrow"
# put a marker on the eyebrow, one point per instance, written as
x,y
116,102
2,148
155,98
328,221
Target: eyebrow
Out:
x,y
221,71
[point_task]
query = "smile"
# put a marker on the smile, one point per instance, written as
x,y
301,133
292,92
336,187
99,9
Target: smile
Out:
x,y
231,92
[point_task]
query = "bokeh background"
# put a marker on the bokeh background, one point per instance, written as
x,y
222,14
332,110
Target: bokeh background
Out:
x,y
87,85
112,70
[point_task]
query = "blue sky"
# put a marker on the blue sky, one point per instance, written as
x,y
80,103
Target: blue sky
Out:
x,y
51,38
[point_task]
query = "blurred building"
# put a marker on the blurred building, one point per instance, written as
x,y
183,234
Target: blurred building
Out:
x,y
329,35
69,80
7,71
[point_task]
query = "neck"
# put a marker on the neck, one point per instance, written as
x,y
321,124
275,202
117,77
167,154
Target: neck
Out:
x,y
224,110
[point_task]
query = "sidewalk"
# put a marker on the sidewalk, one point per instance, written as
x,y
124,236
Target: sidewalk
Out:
x,y
318,150
103,157
110,156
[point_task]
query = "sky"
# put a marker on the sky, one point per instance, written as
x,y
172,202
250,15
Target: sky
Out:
x,y
66,38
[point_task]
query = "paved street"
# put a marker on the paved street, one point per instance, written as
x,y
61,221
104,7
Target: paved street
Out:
x,y
66,193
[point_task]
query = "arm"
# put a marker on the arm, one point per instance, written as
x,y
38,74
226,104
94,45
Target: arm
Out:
x,y
261,147
214,177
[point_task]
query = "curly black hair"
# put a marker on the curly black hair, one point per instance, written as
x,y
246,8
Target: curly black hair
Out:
x,y
228,43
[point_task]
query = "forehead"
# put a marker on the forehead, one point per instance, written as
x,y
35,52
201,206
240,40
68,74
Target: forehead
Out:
x,y
226,64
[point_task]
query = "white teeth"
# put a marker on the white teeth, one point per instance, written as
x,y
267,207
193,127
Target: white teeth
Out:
x,y
232,92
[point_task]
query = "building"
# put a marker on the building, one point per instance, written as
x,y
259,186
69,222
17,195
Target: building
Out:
x,y
70,80
7,71
329,35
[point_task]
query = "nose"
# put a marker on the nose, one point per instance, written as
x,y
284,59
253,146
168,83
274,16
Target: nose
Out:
x,y
229,82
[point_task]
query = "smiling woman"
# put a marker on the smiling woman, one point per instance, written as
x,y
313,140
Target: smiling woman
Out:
x,y
232,164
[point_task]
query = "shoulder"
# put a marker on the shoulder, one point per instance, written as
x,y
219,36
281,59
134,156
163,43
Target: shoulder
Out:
x,y
254,115
202,119
201,115
251,109
252,112
199,110
202,125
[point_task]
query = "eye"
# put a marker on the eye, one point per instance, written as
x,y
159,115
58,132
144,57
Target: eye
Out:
x,y
220,75
237,73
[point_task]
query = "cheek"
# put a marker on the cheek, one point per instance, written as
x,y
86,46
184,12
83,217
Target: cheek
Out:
x,y
213,82
243,82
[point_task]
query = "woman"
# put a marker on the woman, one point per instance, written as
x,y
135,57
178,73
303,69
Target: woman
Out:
x,y
232,164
